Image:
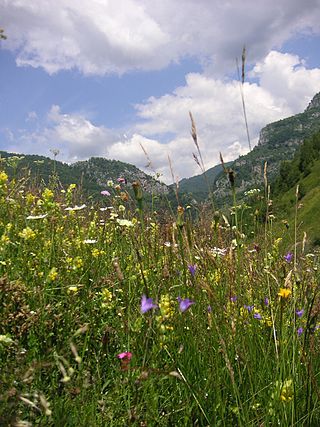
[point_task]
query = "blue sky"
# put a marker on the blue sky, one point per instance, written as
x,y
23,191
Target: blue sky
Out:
x,y
102,78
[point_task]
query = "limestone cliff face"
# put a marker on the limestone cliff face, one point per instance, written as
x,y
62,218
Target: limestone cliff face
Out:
x,y
278,141
293,130
315,102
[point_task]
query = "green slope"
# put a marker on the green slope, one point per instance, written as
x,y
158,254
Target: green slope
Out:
x,y
197,186
308,212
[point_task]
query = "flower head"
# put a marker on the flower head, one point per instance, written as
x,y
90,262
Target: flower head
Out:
x,y
105,193
126,355
284,293
122,180
299,313
249,308
124,358
192,269
257,316
147,304
300,331
288,257
184,304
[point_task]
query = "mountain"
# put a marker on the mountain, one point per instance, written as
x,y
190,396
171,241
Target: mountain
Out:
x,y
197,186
91,175
278,142
101,170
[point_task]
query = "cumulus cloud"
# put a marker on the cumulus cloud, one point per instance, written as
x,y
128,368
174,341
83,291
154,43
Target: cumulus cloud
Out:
x,y
283,86
76,137
99,37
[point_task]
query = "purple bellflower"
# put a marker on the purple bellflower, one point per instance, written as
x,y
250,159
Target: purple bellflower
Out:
x,y
184,304
147,304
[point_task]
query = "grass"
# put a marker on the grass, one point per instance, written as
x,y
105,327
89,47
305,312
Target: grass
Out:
x,y
77,350
308,208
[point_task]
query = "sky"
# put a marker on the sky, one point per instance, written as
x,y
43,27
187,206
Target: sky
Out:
x,y
117,78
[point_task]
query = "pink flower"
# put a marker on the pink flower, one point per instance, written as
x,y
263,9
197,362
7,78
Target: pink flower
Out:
x,y
126,355
105,193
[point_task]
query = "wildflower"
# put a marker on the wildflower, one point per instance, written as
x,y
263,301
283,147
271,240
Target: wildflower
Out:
x,y
105,193
110,183
299,313
192,269
257,316
122,180
266,301
249,308
184,304
5,339
209,309
76,208
47,195
300,331
147,304
219,251
233,299
124,222
106,297
288,257
53,274
89,241
284,293
73,289
3,178
124,358
121,208
165,307
36,216
27,234
125,355
286,393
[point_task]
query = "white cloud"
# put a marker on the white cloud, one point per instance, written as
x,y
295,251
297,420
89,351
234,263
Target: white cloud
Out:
x,y
284,87
106,36
76,137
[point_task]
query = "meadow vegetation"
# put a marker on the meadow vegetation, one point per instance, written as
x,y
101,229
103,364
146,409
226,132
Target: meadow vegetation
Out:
x,y
112,314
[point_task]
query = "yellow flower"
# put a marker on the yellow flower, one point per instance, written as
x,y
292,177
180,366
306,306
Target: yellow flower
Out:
x,y
30,198
53,274
27,233
286,393
3,178
106,298
166,308
47,195
284,293
73,289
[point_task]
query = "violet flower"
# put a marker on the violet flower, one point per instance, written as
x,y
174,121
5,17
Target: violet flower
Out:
x,y
299,313
249,307
192,269
300,331
147,304
288,257
184,304
257,316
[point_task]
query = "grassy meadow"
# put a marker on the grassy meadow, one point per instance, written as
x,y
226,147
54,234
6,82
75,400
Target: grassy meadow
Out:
x,y
114,315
